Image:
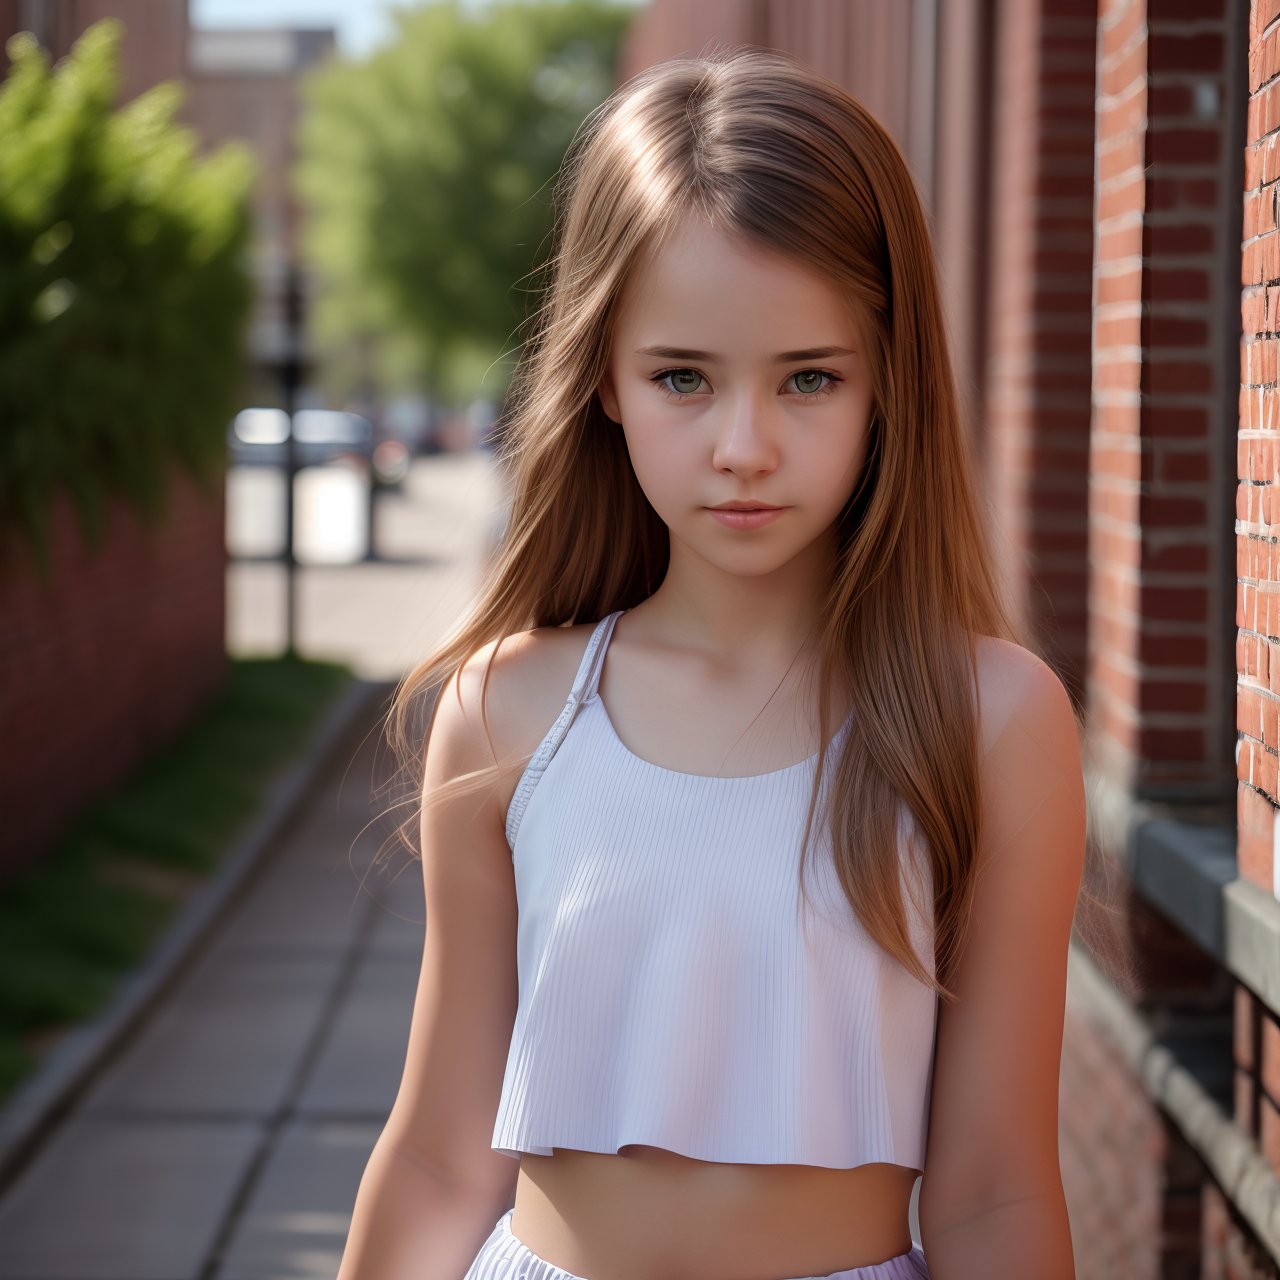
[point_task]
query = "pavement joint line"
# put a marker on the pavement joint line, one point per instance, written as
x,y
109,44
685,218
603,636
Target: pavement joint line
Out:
x,y
50,1094
274,1123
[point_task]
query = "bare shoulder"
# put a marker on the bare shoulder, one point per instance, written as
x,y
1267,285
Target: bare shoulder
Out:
x,y
1032,750
507,695
1019,691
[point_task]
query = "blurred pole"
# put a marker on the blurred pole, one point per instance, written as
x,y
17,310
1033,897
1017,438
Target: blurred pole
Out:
x,y
367,397
371,513
290,381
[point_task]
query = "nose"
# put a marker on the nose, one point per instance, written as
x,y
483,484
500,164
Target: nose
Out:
x,y
745,442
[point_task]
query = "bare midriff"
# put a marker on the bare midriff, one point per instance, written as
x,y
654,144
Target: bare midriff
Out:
x,y
647,1213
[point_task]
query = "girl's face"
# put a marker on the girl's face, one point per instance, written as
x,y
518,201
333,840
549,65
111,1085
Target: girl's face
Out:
x,y
738,375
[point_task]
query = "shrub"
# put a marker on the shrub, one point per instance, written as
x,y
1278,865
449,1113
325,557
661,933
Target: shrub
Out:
x,y
124,290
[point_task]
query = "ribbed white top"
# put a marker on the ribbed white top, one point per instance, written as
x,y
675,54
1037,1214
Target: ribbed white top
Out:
x,y
671,992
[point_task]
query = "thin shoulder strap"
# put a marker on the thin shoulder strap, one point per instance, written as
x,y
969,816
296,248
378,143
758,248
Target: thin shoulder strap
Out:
x,y
588,678
584,687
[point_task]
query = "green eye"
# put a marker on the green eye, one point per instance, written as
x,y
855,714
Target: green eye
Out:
x,y
674,390
665,382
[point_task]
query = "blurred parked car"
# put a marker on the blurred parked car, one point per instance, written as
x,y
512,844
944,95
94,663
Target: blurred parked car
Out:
x,y
411,419
257,437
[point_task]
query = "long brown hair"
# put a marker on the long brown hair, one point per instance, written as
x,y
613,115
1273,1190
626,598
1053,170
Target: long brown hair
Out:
x,y
762,146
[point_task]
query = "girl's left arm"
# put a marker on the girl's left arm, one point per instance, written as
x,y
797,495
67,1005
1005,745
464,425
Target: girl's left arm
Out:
x,y
991,1199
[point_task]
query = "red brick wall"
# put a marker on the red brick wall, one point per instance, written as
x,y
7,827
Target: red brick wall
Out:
x,y
1258,567
1133,1185
1257,1030
1257,1072
153,46
1229,1251
1160,681
961,209
106,662
1035,427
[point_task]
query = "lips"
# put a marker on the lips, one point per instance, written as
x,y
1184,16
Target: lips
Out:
x,y
746,518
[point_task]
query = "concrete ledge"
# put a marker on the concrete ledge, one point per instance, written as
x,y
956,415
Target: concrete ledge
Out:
x,y
1234,1160
1189,872
1252,949
1183,869
52,1090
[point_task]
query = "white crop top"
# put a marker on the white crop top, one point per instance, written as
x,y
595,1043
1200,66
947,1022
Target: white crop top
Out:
x,y
669,992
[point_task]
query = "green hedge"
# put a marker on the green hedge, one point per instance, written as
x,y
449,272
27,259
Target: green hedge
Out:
x,y
125,291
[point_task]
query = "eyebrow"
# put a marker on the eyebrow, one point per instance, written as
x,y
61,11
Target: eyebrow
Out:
x,y
785,357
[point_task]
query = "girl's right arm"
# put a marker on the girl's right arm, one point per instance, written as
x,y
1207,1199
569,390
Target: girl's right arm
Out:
x,y
433,1187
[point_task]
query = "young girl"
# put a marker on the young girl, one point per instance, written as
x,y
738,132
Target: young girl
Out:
x,y
751,833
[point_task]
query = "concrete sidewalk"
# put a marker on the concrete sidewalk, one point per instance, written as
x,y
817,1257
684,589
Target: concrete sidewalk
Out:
x,y
225,1138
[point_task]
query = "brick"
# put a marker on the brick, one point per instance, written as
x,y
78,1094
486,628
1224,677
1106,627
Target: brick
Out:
x,y
1269,1131
1254,839
1269,1073
1173,146
1244,1028
1245,1101
1178,51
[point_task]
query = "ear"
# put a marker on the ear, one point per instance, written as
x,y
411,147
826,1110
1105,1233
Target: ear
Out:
x,y
608,400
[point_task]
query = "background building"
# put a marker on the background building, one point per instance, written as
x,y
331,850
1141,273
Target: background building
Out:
x,y
154,47
243,84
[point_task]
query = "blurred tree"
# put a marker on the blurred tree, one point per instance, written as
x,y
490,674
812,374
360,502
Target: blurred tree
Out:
x,y
124,290
425,171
